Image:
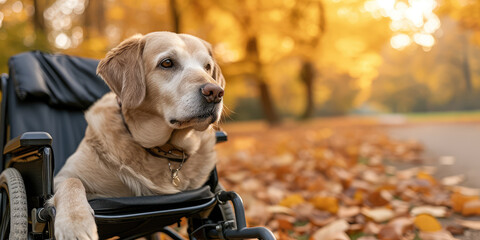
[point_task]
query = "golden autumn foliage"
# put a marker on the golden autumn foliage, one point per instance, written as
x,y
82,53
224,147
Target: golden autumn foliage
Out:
x,y
285,58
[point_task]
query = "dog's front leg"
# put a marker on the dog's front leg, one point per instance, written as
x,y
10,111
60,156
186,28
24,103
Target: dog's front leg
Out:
x,y
74,217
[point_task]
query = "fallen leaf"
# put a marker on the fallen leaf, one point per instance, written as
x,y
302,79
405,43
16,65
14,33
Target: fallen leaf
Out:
x,y
237,177
455,229
339,236
355,227
359,196
280,209
251,184
471,208
416,185
330,231
371,176
430,210
360,184
466,191
242,143
409,195
453,180
320,218
346,212
375,161
326,203
360,219
275,194
334,188
367,238
285,222
402,225
257,212
292,200
438,235
285,159
469,224
426,176
400,207
427,223
303,211
378,215
303,229
389,232
284,236
371,228
407,173
438,197
376,199
459,199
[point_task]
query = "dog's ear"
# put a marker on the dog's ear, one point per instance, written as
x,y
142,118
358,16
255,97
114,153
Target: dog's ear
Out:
x,y
216,72
122,69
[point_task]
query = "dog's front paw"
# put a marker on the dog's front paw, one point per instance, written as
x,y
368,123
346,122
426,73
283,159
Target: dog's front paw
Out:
x,y
76,224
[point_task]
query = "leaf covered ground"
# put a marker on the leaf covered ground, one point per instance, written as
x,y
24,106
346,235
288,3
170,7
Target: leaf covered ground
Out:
x,y
329,180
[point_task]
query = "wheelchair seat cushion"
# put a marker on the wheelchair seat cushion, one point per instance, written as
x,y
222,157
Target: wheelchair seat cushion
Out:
x,y
126,205
132,217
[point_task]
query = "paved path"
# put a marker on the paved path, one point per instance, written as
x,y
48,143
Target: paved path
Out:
x,y
458,140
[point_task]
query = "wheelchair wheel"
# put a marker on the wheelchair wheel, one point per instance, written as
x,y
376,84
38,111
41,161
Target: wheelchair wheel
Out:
x,y
14,222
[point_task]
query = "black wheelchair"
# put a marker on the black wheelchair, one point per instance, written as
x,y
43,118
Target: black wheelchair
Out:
x,y
43,99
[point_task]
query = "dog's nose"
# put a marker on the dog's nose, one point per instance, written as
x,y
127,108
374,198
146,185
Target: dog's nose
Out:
x,y
212,92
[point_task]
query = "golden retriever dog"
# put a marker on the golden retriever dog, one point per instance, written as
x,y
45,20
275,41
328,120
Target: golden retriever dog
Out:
x,y
152,134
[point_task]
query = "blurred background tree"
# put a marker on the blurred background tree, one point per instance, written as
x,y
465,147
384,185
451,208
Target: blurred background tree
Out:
x,y
285,58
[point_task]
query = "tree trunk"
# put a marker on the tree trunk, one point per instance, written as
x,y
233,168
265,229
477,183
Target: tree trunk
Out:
x,y
307,72
267,104
466,68
175,16
265,97
307,75
38,20
94,18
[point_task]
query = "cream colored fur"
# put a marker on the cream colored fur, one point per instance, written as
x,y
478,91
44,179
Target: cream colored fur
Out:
x,y
110,161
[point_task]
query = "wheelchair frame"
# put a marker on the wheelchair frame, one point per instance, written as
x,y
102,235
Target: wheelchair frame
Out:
x,y
35,148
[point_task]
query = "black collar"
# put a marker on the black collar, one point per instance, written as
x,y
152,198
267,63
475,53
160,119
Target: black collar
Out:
x,y
168,150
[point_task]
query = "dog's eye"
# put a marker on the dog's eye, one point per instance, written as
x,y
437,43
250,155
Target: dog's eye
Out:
x,y
208,67
166,63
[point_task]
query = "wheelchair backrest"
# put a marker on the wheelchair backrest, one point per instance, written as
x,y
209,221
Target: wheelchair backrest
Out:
x,y
49,92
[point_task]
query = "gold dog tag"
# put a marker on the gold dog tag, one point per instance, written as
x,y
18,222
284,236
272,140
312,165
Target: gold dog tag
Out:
x,y
175,179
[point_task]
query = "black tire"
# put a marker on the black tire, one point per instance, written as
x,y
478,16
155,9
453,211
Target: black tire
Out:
x,y
12,187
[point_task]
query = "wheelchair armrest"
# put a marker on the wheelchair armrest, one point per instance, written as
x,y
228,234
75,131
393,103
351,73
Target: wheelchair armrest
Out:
x,y
221,136
28,140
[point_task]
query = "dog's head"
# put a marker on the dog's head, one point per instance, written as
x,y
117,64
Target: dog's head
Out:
x,y
174,75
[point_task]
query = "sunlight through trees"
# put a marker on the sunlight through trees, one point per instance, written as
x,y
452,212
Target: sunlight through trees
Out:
x,y
285,58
